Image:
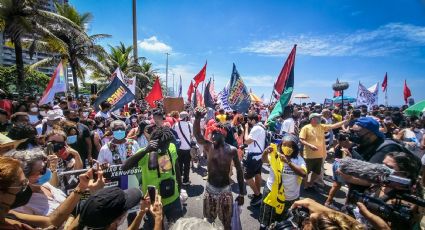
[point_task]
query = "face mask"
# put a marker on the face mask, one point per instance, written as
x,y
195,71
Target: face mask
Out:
x,y
58,146
287,151
134,120
75,119
71,139
44,178
85,114
355,138
34,109
22,198
119,134
100,125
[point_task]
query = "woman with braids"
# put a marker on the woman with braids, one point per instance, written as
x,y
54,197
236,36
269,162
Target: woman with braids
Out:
x,y
158,162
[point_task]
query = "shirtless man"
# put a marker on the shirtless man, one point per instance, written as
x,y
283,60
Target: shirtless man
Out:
x,y
218,199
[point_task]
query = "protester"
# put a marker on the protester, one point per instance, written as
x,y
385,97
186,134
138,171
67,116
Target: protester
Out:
x,y
255,138
5,124
158,162
288,168
56,143
218,199
312,136
104,110
184,128
119,148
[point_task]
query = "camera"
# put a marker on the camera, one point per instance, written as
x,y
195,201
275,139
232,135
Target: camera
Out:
x,y
295,220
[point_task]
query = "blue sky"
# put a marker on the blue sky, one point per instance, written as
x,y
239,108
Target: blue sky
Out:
x,y
353,40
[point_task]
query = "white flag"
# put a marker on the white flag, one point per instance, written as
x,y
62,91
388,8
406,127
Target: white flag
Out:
x,y
368,97
130,82
223,98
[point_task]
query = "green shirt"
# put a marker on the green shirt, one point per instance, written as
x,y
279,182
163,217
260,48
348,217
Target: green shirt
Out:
x,y
150,177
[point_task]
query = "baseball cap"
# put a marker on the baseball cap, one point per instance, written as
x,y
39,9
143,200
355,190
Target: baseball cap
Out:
x,y
370,124
183,115
314,115
53,115
106,205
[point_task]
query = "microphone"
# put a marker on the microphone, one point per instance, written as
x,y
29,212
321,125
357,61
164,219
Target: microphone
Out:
x,y
375,173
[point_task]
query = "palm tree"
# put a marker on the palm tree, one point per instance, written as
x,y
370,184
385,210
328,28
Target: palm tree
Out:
x,y
80,49
21,19
121,56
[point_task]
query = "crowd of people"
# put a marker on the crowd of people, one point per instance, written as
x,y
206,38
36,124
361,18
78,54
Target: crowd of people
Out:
x,y
296,150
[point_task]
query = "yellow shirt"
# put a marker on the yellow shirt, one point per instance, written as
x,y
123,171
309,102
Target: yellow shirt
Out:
x,y
221,118
315,136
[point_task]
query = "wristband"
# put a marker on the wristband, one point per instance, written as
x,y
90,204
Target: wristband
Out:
x,y
78,191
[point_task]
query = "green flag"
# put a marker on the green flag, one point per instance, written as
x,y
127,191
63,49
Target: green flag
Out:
x,y
281,104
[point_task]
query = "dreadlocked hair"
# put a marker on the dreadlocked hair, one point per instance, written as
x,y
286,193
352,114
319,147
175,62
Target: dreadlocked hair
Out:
x,y
163,135
219,127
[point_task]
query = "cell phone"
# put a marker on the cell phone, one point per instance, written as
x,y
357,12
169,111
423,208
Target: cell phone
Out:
x,y
152,193
49,149
94,170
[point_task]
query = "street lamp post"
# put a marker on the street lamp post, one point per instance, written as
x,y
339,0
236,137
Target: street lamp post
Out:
x,y
166,75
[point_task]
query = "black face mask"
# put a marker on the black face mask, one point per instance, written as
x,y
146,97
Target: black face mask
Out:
x,y
22,198
75,119
356,138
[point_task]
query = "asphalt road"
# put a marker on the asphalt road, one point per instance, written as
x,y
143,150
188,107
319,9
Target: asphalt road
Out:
x,y
249,214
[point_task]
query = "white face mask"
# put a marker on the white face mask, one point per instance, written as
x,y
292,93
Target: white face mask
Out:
x,y
85,114
134,120
43,113
34,109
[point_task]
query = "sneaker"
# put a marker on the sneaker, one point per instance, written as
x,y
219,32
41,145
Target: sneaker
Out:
x,y
186,183
256,200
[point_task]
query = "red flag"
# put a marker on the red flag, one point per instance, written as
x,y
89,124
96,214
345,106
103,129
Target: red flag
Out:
x,y
200,77
189,92
337,93
406,92
199,99
288,69
155,94
384,83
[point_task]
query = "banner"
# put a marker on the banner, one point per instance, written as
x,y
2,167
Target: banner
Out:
x,y
328,102
238,96
114,177
116,93
222,98
56,84
368,97
129,82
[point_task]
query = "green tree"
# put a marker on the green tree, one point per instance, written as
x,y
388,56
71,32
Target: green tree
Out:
x,y
35,82
76,48
21,19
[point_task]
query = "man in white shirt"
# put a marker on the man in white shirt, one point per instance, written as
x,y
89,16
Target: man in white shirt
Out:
x,y
104,110
288,124
184,130
255,139
53,117
119,148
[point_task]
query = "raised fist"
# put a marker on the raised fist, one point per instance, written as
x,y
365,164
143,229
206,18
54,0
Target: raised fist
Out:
x,y
200,112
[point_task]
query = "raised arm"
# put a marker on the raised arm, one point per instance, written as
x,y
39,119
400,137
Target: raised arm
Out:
x,y
199,113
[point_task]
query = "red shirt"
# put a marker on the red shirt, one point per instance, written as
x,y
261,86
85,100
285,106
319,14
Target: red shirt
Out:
x,y
7,106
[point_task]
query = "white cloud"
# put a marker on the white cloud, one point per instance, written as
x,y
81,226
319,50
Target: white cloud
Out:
x,y
259,81
386,40
152,44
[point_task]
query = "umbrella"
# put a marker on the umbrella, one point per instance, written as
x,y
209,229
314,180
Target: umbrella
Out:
x,y
255,98
301,96
347,99
416,109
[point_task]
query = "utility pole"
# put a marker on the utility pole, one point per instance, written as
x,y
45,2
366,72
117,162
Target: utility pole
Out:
x,y
135,55
166,75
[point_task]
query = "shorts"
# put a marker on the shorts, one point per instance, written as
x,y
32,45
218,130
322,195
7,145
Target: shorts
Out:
x,y
218,202
337,178
252,165
314,165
